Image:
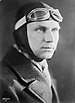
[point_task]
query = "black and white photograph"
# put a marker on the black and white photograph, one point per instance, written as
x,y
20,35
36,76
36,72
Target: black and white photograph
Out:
x,y
37,51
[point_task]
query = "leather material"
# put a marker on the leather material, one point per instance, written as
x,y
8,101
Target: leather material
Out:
x,y
24,82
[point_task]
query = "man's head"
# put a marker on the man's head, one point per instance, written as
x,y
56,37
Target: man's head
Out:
x,y
43,37
37,29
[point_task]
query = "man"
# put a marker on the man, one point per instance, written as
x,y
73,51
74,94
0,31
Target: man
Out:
x,y
25,77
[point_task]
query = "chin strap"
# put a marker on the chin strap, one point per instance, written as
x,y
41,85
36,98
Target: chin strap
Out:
x,y
30,56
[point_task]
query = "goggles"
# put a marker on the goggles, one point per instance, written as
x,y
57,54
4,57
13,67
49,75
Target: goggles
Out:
x,y
40,14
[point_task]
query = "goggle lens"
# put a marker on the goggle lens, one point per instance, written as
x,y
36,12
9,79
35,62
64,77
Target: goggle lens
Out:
x,y
38,14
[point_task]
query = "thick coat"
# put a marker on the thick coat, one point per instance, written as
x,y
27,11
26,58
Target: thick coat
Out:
x,y
22,82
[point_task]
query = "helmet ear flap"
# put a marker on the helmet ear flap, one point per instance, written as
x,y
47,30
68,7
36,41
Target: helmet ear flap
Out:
x,y
20,37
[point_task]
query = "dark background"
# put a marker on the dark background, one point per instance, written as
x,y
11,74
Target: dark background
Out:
x,y
63,62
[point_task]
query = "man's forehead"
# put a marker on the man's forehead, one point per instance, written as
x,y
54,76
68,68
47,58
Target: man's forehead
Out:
x,y
47,23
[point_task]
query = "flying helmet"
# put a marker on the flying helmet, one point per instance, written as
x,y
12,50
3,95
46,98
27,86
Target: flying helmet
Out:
x,y
32,12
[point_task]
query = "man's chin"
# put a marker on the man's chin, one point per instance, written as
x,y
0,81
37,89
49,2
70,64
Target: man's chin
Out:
x,y
47,55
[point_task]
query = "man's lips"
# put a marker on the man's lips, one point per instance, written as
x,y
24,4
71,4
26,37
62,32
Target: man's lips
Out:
x,y
47,48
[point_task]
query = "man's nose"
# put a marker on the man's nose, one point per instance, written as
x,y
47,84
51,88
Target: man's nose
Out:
x,y
48,37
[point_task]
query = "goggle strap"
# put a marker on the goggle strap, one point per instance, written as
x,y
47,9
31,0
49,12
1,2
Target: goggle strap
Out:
x,y
21,22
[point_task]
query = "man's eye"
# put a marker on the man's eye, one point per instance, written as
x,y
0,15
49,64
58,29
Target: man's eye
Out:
x,y
55,29
41,29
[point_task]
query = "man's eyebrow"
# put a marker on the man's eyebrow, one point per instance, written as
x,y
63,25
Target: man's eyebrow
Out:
x,y
42,26
45,27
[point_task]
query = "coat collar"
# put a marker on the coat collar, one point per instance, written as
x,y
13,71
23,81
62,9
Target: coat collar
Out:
x,y
24,68
22,65
27,75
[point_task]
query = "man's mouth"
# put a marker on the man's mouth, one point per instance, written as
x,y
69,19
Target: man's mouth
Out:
x,y
48,48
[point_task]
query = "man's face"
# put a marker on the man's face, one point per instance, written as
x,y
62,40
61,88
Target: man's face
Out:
x,y
43,37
